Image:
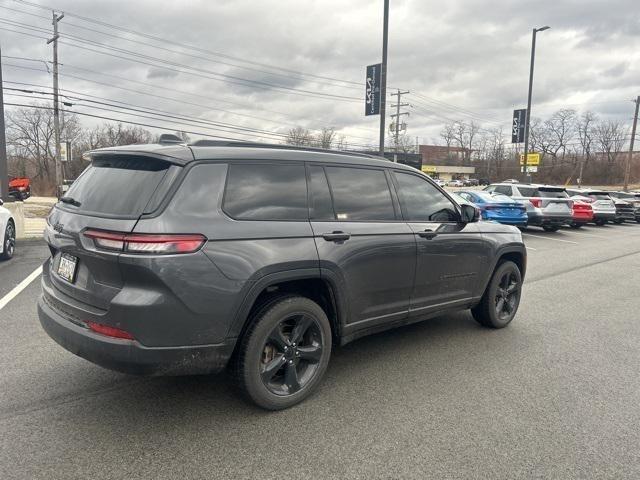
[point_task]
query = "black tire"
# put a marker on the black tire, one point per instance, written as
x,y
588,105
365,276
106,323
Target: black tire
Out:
x,y
618,221
488,312
9,241
551,228
271,368
600,222
576,225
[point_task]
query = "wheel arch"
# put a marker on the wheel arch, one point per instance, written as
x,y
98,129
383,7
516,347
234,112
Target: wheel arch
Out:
x,y
304,282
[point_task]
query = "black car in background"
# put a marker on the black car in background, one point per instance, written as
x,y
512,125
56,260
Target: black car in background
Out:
x,y
183,259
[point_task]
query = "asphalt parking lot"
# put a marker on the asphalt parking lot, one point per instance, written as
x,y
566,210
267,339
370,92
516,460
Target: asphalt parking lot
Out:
x,y
555,395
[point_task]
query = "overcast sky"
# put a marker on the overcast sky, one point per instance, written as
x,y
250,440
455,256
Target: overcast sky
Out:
x,y
465,59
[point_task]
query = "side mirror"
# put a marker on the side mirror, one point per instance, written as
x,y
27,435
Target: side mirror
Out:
x,y
470,213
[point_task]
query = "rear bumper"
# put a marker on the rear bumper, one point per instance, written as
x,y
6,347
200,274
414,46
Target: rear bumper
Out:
x,y
542,219
604,215
508,220
129,356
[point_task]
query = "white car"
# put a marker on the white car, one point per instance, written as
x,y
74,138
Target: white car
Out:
x,y
455,183
7,233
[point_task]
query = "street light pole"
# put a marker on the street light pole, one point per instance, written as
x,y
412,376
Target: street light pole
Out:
x,y
383,76
528,112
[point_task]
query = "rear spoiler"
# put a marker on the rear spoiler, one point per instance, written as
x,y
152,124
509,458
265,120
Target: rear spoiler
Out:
x,y
174,154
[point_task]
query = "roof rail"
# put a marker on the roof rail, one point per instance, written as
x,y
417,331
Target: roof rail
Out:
x,y
226,143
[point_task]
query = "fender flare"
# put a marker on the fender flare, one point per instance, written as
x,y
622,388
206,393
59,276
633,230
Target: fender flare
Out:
x,y
255,288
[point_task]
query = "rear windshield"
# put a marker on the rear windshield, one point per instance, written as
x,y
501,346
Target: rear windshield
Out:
x,y
600,196
546,193
118,186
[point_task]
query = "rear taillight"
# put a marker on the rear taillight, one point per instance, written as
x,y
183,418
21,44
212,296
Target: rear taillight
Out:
x,y
146,243
536,202
109,331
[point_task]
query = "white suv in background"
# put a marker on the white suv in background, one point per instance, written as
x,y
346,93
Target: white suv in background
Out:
x,y
547,206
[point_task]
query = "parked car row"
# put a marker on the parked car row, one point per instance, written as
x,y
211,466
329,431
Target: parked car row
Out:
x,y
551,207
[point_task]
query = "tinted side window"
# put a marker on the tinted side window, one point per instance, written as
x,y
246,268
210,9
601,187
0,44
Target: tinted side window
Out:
x,y
320,205
266,192
528,191
360,194
422,202
504,189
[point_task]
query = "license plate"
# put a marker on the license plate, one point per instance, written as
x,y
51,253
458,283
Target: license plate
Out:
x,y
67,267
558,207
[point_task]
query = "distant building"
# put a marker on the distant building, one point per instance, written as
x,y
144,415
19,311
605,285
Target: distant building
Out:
x,y
445,162
442,155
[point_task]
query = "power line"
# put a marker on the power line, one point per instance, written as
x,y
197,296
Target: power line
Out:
x,y
180,67
190,47
146,93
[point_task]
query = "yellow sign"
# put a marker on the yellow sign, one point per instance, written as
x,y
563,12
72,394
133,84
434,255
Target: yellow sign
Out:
x,y
532,159
428,169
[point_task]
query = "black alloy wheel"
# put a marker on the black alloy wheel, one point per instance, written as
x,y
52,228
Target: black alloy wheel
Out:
x,y
501,299
283,355
507,295
291,354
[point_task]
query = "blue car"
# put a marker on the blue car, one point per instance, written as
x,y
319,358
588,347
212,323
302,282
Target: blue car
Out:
x,y
497,207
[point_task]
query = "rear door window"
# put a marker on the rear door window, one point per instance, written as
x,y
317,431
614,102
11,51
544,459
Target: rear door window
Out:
x,y
117,186
360,194
266,192
528,191
504,189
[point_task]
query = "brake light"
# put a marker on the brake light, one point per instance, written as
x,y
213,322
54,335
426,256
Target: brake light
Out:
x,y
109,331
536,202
145,242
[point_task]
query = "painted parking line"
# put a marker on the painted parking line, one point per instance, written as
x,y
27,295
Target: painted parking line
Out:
x,y
530,248
549,238
587,234
20,287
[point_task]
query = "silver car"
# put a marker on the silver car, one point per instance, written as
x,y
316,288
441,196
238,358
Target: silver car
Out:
x,y
604,208
547,206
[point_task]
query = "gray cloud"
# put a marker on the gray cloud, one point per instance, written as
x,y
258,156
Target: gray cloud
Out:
x,y
469,54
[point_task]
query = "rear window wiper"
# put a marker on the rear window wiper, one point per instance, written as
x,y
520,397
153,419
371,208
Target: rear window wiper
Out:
x,y
70,201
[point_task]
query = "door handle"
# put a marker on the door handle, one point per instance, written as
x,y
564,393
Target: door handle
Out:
x,y
336,236
428,234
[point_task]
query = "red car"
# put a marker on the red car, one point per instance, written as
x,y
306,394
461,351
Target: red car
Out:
x,y
20,187
582,213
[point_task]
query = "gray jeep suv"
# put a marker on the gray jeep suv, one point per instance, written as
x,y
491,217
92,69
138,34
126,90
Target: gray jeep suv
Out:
x,y
183,259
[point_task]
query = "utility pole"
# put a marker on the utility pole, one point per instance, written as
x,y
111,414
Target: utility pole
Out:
x,y
528,112
627,171
56,106
383,76
397,119
4,170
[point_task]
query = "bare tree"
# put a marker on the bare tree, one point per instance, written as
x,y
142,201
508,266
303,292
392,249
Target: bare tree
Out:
x,y
299,136
325,138
610,137
586,134
464,134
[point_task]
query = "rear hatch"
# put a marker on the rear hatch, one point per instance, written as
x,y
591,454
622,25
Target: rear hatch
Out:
x,y
602,201
555,201
111,195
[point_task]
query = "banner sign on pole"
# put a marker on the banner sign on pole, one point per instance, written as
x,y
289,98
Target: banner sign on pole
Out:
x,y
517,125
372,92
